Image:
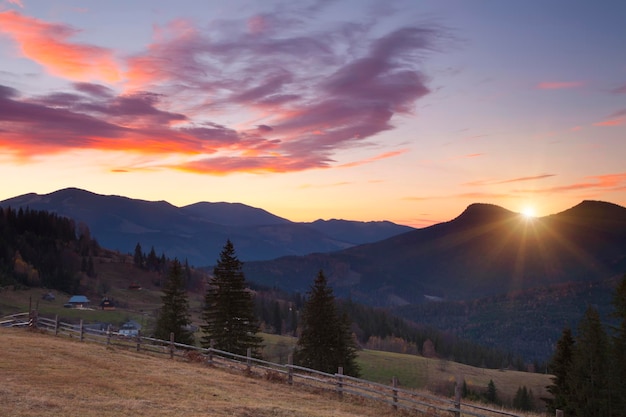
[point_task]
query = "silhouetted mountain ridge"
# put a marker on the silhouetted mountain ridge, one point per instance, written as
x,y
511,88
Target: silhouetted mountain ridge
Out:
x,y
196,232
485,251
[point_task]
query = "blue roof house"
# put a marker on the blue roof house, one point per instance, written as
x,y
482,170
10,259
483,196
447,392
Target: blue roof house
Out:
x,y
78,301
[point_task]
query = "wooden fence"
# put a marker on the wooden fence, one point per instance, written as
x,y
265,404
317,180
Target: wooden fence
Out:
x,y
291,374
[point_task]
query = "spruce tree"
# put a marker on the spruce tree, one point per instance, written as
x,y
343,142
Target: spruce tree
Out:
x,y
561,367
326,342
590,368
229,308
174,314
492,393
618,368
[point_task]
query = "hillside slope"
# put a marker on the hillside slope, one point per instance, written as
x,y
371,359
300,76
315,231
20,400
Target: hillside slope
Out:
x,y
47,376
485,251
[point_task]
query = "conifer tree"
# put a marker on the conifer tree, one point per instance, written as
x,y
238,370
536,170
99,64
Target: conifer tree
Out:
x,y
590,368
618,400
561,367
492,392
229,308
174,314
325,343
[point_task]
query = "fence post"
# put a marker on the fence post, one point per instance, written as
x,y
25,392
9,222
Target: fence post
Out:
x,y
138,340
171,345
457,399
211,347
32,319
394,383
56,325
559,413
290,369
340,381
82,331
108,334
248,358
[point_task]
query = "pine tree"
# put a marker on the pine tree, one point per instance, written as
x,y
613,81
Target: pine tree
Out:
x,y
174,314
523,399
590,368
618,368
229,308
325,343
492,392
561,367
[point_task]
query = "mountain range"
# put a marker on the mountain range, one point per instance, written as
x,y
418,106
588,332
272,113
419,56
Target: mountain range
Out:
x,y
198,232
485,251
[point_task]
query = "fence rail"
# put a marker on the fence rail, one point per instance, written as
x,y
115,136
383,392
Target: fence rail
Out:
x,y
292,374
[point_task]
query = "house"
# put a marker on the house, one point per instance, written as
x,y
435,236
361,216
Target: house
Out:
x,y
107,304
77,301
130,328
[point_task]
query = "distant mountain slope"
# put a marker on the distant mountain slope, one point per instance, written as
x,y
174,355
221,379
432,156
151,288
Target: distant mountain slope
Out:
x,y
485,251
196,232
232,214
358,232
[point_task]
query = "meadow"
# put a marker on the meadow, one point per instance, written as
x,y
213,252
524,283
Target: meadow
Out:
x,y
413,371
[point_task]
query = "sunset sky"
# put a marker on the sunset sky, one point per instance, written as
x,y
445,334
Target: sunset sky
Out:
x,y
406,111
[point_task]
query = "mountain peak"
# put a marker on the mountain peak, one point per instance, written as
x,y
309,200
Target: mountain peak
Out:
x,y
595,209
480,212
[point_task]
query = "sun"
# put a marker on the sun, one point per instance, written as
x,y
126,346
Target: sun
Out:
x,y
528,212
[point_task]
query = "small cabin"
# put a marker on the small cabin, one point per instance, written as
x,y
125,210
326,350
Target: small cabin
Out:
x,y
107,304
130,328
77,301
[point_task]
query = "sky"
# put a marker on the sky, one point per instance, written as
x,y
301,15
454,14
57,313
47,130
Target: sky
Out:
x,y
407,111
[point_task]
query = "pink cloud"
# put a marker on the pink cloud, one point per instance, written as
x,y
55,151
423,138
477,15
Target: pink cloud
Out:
x,y
597,182
617,118
301,99
558,85
48,45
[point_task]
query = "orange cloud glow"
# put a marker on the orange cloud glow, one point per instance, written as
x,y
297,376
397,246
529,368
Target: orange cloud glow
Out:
x,y
605,182
48,45
612,122
552,85
374,158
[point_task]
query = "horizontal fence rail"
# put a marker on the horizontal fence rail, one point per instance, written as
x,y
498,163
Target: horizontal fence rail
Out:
x,y
293,375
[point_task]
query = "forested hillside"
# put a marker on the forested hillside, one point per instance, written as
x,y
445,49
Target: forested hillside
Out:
x,y
42,249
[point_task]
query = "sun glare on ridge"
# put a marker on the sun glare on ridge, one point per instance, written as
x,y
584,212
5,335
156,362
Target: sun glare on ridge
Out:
x,y
528,212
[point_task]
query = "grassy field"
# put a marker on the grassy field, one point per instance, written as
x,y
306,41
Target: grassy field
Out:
x,y
42,375
412,371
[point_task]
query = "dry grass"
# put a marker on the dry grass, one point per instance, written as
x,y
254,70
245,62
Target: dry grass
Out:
x,y
43,375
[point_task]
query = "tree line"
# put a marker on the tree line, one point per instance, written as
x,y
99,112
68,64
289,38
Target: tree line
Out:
x,y
38,248
589,366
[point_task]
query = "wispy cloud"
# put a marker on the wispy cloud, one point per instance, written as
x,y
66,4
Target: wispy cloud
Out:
x,y
613,182
374,158
619,90
617,118
16,2
49,45
559,85
509,180
298,96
